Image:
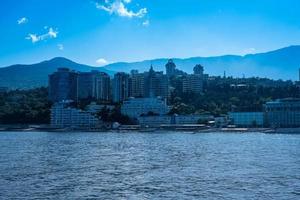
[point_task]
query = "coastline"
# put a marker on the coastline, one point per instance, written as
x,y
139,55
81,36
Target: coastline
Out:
x,y
138,129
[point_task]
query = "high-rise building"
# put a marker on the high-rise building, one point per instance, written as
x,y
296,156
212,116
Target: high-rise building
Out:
x,y
120,87
172,71
103,87
94,85
156,84
170,68
63,85
194,82
137,85
86,85
148,84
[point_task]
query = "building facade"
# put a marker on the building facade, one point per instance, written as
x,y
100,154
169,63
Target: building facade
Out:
x,y
63,116
63,85
137,85
149,84
193,82
192,119
120,87
103,87
156,121
156,84
247,119
136,107
283,113
94,85
170,68
86,85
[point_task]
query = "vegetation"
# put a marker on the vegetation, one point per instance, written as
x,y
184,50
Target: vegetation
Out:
x,y
221,98
25,107
106,114
114,115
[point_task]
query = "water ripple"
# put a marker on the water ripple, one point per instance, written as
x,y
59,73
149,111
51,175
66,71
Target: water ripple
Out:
x,y
149,166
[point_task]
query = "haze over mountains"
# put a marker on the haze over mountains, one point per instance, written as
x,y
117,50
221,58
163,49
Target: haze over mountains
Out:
x,y
36,75
279,64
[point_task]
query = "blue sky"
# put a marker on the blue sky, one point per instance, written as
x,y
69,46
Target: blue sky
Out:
x,y
98,32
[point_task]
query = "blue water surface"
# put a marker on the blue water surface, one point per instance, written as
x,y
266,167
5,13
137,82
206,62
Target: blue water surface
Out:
x,y
39,165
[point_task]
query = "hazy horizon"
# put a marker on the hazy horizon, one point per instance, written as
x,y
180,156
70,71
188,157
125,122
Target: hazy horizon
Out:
x,y
136,61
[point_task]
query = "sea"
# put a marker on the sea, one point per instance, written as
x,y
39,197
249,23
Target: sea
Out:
x,y
159,165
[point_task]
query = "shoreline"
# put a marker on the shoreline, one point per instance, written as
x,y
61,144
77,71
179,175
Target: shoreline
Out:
x,y
127,129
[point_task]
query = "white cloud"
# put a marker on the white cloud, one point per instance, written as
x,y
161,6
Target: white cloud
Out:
x,y
60,47
22,20
36,38
52,33
249,51
118,7
102,62
146,23
33,37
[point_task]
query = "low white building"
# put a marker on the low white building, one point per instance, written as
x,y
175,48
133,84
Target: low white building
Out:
x,y
192,119
135,107
283,113
156,121
63,116
247,119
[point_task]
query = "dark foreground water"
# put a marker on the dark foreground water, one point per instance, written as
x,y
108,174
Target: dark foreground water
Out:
x,y
149,166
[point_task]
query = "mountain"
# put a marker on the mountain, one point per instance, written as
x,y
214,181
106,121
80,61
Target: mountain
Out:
x,y
279,64
36,75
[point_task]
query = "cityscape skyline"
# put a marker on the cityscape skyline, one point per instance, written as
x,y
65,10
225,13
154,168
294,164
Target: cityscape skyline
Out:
x,y
112,31
66,84
145,99
154,99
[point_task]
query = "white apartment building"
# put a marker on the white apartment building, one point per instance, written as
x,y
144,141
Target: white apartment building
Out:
x,y
134,108
156,121
247,119
283,113
63,116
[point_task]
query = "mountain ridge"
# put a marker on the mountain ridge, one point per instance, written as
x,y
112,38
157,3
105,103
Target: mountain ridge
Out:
x,y
36,75
282,63
277,64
